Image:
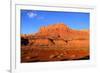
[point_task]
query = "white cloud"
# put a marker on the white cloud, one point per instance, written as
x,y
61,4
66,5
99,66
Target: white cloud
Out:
x,y
35,15
31,14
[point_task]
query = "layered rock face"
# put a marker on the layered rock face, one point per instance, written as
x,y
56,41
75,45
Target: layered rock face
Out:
x,y
55,42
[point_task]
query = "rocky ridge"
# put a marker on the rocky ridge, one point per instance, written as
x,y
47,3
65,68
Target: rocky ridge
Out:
x,y
53,38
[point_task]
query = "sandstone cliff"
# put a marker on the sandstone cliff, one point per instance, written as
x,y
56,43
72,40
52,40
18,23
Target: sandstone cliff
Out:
x,y
53,40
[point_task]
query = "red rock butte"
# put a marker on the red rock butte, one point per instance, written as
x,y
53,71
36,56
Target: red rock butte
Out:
x,y
55,42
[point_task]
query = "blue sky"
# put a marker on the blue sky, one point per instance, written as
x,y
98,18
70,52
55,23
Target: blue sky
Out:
x,y
32,20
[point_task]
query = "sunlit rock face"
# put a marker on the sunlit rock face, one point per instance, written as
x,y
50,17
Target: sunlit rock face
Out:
x,y
55,42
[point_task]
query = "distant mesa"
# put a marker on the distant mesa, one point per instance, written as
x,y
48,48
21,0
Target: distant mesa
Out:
x,y
61,30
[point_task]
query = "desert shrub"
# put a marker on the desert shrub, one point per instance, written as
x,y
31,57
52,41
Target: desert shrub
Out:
x,y
24,41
